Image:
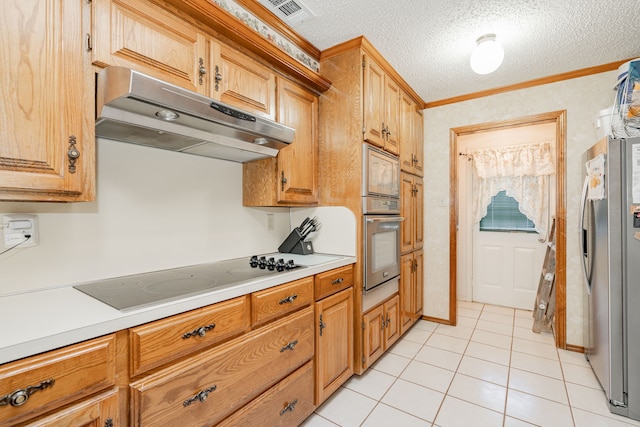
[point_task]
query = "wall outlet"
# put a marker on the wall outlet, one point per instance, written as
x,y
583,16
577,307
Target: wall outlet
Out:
x,y
20,229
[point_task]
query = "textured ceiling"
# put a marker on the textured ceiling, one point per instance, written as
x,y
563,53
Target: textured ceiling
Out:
x,y
429,42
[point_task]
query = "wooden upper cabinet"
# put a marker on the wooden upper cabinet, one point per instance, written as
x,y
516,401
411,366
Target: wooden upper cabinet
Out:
x,y
242,82
140,35
407,123
46,103
418,142
381,97
373,98
411,137
392,116
290,179
298,163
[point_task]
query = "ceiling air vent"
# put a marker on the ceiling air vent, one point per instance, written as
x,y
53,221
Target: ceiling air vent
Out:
x,y
292,12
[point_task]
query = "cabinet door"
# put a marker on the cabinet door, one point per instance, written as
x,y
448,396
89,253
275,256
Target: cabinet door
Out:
x,y
334,343
406,291
418,142
392,116
140,35
46,103
100,410
243,82
298,163
407,139
392,321
418,213
407,212
373,335
373,102
418,273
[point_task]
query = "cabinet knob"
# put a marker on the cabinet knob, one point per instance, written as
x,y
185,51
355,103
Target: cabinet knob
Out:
x,y
200,332
288,300
73,153
290,407
217,78
200,396
289,346
20,396
201,70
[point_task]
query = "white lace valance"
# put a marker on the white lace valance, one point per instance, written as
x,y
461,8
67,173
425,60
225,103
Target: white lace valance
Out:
x,y
522,171
517,160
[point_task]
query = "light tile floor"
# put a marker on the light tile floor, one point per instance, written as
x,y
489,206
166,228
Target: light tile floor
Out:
x,y
490,370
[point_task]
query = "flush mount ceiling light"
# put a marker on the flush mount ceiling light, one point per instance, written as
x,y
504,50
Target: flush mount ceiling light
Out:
x,y
487,56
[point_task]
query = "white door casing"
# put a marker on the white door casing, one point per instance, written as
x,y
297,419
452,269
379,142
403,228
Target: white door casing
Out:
x,y
501,268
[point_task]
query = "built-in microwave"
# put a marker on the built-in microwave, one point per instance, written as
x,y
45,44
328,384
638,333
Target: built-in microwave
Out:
x,y
380,182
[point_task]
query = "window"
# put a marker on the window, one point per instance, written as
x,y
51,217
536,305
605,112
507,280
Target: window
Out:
x,y
503,214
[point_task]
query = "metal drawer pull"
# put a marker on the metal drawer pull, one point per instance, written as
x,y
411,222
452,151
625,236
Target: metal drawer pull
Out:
x,y
290,407
201,331
321,325
20,396
288,299
201,396
337,281
289,346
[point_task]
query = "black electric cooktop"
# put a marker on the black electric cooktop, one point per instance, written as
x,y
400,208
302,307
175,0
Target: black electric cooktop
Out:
x,y
127,293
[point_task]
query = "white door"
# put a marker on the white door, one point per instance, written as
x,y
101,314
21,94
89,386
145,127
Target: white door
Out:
x,y
501,268
506,267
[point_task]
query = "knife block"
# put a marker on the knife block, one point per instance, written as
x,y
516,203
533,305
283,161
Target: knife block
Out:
x,y
294,244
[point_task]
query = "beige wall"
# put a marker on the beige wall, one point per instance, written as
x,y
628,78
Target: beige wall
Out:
x,y
582,98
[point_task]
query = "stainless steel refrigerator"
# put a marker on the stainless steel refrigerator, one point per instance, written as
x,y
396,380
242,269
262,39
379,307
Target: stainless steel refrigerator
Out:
x,y
610,245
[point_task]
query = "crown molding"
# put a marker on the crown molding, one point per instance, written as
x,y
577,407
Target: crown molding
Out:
x,y
531,83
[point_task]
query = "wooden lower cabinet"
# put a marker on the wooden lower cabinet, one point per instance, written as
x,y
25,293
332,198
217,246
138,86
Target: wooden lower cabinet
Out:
x,y
158,343
381,329
334,343
411,288
56,378
288,403
211,385
97,411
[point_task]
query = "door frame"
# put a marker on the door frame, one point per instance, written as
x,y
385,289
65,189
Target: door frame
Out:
x,y
560,119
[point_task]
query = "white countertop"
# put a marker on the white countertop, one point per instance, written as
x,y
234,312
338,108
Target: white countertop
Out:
x,y
39,321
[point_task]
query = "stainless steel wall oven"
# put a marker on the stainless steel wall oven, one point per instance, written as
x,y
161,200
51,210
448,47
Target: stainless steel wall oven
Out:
x,y
381,208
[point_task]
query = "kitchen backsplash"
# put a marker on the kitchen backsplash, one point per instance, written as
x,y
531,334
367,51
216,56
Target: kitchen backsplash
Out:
x,y
154,209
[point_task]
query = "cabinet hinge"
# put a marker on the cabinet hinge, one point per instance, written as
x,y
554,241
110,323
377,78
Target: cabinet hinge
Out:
x,y
364,63
363,326
364,130
363,360
283,181
89,44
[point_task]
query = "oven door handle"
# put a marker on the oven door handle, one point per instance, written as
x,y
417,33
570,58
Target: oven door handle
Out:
x,y
394,219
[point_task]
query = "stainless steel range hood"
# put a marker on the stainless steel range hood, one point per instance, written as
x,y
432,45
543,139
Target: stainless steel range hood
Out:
x,y
136,108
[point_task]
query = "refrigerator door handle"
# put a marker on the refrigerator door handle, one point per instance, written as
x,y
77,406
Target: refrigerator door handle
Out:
x,y
584,255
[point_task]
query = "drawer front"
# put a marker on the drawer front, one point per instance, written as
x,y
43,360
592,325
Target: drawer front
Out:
x,y
288,403
159,342
47,381
277,301
333,281
206,388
